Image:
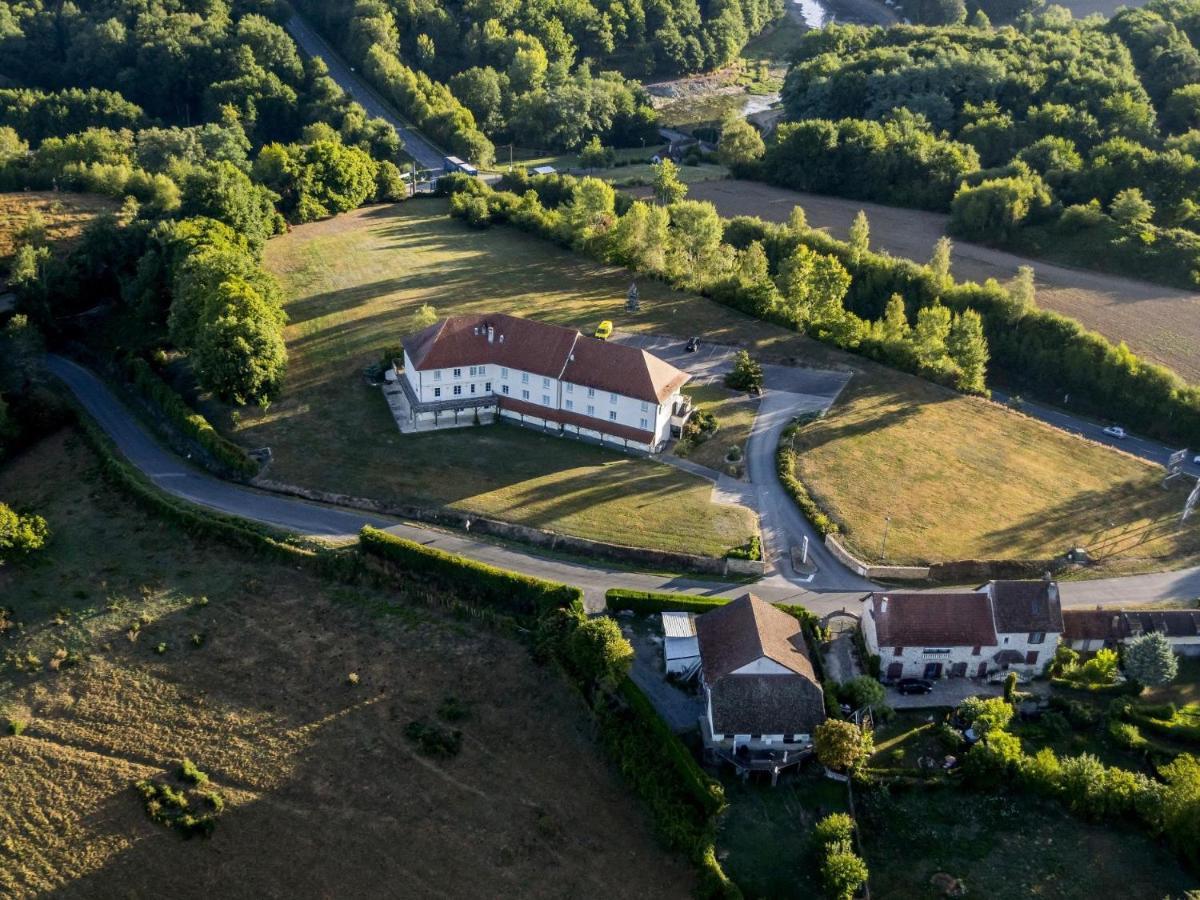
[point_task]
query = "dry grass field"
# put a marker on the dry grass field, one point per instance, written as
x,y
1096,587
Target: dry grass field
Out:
x,y
353,284
64,215
1160,323
962,478
325,795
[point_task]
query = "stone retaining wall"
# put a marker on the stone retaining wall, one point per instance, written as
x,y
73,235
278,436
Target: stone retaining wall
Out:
x,y
537,537
962,571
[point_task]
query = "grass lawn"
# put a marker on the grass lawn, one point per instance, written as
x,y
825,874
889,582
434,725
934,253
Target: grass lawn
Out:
x,y
644,173
321,784
1183,691
962,478
735,414
65,216
353,283
1013,845
763,840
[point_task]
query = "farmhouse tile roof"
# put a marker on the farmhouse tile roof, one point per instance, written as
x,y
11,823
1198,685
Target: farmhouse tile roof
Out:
x,y
747,629
932,619
1116,625
739,633
566,417
1026,606
543,349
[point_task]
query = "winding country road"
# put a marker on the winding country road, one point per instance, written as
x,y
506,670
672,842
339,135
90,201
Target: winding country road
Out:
x,y
174,476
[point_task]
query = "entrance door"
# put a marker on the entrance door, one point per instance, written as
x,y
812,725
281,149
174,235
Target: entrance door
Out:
x,y
982,673
894,670
933,670
958,670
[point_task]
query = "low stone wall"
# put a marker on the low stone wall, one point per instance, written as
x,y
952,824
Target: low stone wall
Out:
x,y
962,571
745,567
537,537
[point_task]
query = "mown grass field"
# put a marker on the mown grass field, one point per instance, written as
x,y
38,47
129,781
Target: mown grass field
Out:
x,y
962,478
64,215
353,284
325,794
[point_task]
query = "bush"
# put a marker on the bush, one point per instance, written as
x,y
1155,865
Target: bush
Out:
x,y
434,740
520,596
752,550
599,653
843,872
785,462
833,829
190,774
863,691
842,745
747,374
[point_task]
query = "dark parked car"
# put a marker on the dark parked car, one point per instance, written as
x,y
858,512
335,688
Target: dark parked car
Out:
x,y
914,686
693,345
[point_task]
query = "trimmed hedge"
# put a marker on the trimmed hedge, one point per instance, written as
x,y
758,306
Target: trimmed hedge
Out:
x,y
521,596
646,603
785,460
193,425
1125,687
1172,728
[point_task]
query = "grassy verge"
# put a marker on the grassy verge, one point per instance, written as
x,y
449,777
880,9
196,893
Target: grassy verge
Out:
x,y
263,702
734,413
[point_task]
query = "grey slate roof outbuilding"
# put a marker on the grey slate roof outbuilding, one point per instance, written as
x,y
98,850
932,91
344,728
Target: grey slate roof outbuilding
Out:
x,y
1026,606
757,671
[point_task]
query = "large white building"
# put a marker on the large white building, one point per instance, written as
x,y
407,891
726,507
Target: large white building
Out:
x,y
542,375
1003,625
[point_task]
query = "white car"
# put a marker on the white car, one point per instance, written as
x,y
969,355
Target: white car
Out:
x,y
1115,431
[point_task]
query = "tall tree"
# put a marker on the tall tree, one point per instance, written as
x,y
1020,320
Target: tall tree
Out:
x,y
1150,661
668,188
968,349
860,235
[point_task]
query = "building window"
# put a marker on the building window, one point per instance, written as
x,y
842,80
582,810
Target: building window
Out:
x,y
524,395
975,651
591,410
1031,658
437,392
645,421
570,404
524,378
457,389
472,371
458,373
545,382
1037,637
504,389
591,392
645,406
483,370
437,374
487,387
472,388
899,651
612,415
504,371
612,398
545,399
570,388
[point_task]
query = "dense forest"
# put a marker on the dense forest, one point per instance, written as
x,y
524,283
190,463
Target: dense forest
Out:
x,y
204,119
541,73
1052,136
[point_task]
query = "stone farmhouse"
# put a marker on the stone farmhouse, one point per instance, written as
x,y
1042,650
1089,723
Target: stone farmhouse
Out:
x,y
1002,625
760,689
1094,629
544,376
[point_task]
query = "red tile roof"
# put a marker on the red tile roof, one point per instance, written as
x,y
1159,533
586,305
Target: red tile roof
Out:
x,y
544,349
566,417
933,619
745,629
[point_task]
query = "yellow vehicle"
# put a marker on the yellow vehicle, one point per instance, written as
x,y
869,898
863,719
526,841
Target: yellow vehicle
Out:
x,y
604,330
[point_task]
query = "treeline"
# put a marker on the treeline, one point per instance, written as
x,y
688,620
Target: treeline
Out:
x,y
687,244
910,316
1080,140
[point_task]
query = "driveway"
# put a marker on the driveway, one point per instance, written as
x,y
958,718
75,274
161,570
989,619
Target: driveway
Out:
x,y
953,691
680,709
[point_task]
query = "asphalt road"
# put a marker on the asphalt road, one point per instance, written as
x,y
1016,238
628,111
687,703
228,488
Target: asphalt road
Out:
x,y
416,144
175,476
1132,444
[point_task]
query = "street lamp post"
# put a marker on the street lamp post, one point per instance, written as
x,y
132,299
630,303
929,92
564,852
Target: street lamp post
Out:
x,y
887,523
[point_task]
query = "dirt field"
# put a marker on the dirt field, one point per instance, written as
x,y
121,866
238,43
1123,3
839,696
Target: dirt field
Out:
x,y
325,795
1160,323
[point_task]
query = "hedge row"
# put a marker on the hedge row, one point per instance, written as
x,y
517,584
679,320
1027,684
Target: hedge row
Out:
x,y
645,603
785,461
1070,684
193,425
521,596
1171,728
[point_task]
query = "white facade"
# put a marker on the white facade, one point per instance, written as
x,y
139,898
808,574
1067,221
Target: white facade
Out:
x,y
490,382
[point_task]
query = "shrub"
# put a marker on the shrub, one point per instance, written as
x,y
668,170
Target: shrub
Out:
x,y
747,374
172,808
599,653
1127,735
986,715
1149,660
190,774
993,759
863,691
834,828
1101,668
785,462
16,727
434,740
842,745
843,872
752,550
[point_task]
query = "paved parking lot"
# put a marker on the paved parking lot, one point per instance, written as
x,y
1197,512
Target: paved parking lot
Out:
x,y
953,691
